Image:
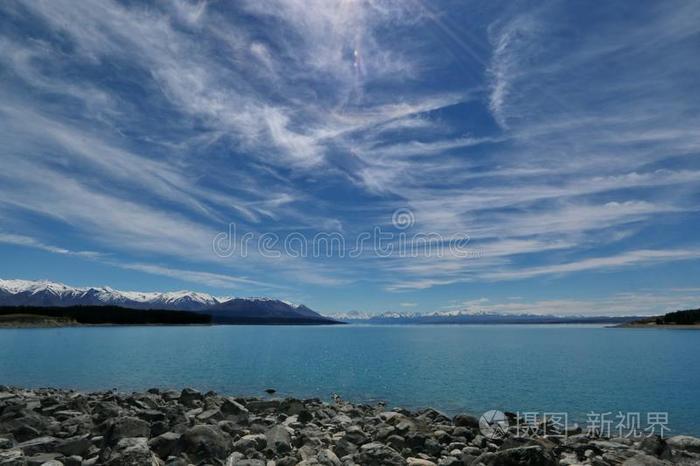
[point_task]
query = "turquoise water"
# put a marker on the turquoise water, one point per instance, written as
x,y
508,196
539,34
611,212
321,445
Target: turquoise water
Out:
x,y
573,369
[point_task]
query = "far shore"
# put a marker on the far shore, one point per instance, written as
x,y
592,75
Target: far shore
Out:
x,y
653,325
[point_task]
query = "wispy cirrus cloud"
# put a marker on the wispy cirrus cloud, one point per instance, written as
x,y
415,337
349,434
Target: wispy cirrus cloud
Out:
x,y
145,129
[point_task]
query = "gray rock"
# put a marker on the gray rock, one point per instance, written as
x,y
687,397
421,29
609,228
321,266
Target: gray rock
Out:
x,y
131,452
376,454
190,397
250,442
73,461
14,457
449,461
644,460
465,420
127,427
327,458
41,459
165,445
39,445
278,439
684,442
6,443
204,442
655,446
75,446
419,462
521,456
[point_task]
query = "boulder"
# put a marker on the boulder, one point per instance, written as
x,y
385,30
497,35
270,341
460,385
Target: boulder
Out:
x,y
521,456
278,439
419,462
131,452
205,442
14,457
250,442
684,442
190,397
328,458
126,427
655,446
378,454
167,444
78,445
642,459
39,445
465,420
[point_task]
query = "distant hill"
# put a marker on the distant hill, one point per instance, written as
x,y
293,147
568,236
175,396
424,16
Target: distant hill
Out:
x,y
465,317
22,294
242,311
687,318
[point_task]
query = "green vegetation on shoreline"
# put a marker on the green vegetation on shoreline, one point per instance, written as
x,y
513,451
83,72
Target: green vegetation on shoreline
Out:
x,y
678,319
26,316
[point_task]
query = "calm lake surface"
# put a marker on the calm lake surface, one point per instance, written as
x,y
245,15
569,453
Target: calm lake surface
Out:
x,y
573,369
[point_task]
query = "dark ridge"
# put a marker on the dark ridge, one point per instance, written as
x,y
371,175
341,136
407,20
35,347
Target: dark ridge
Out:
x,y
689,317
105,315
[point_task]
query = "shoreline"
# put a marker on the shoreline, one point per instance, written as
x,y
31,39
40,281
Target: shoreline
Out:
x,y
179,428
655,326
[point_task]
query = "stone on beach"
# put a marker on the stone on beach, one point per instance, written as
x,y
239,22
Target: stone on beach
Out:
x,y
169,428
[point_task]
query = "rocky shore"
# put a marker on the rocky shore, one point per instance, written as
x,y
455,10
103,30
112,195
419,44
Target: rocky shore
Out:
x,y
179,428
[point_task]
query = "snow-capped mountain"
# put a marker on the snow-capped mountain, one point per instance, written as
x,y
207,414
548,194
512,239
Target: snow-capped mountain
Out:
x,y
46,293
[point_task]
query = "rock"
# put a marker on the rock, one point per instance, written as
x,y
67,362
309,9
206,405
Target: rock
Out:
x,y
355,435
73,461
210,415
328,458
246,462
74,446
449,461
684,442
343,447
131,452
189,397
305,416
465,420
165,445
376,454
419,462
6,443
655,446
396,442
39,445
250,442
270,391
127,427
231,407
205,442
278,439
521,456
41,459
14,457
644,460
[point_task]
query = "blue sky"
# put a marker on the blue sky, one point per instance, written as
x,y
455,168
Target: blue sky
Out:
x,y
561,137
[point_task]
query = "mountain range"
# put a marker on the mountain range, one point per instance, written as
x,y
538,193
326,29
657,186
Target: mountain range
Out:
x,y
464,316
222,309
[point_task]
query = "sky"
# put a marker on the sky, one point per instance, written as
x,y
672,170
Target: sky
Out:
x,y
548,150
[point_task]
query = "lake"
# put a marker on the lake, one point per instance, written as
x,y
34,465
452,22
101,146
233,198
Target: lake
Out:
x,y
472,368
